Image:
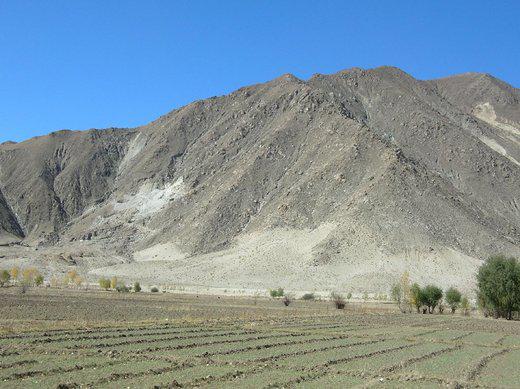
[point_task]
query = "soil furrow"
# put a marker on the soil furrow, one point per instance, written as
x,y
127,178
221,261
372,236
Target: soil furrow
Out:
x,y
477,369
411,361
145,340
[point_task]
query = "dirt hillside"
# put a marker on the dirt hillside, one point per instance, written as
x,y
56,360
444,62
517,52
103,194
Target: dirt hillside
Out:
x,y
341,181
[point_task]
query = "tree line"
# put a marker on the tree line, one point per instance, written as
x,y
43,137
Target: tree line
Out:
x,y
426,299
498,291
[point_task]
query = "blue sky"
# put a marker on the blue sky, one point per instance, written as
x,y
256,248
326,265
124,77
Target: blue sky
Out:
x,y
96,64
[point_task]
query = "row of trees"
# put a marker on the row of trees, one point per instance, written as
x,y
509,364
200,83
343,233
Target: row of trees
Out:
x,y
114,283
29,276
412,296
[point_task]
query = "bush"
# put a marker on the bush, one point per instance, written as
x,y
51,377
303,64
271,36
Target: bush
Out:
x,y
431,296
453,298
349,295
154,289
104,283
137,287
338,300
498,284
274,293
5,276
308,296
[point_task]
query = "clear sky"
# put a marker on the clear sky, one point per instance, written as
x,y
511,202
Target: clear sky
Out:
x,y
100,63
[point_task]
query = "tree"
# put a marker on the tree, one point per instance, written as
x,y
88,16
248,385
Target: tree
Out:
x,y
4,277
78,281
397,294
71,275
498,283
465,305
453,298
431,297
113,282
104,283
416,296
406,291
29,275
137,287
15,272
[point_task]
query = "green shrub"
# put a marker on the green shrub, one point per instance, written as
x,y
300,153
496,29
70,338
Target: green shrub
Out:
x,y
137,287
498,283
38,280
308,296
154,289
274,293
349,295
453,298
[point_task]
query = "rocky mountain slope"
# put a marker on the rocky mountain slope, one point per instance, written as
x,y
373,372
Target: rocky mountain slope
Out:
x,y
342,181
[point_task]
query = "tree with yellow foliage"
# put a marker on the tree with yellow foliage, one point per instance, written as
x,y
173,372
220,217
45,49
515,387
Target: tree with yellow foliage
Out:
x,y
113,282
78,281
69,278
15,272
29,275
406,292
402,294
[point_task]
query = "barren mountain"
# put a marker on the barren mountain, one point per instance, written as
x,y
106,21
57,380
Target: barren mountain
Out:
x,y
341,182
